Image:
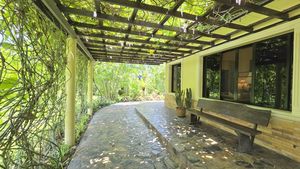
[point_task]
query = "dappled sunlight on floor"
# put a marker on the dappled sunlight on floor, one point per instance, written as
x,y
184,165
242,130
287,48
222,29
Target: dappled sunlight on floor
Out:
x,y
154,138
204,146
137,102
117,138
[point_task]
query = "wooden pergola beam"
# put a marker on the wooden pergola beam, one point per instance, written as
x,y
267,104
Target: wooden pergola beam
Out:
x,y
126,61
256,8
183,15
132,18
98,10
97,35
125,56
87,13
153,35
146,42
168,54
128,53
165,52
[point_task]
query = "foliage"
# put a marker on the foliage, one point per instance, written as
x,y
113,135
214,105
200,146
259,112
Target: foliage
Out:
x,y
32,83
179,97
111,79
188,99
32,76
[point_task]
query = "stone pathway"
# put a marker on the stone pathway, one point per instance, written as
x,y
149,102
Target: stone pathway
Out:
x,y
205,146
118,138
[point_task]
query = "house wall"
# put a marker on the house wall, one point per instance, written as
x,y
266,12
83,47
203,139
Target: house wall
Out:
x,y
283,132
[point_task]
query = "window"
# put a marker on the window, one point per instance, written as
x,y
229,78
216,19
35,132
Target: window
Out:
x,y
272,72
258,74
228,75
176,78
245,74
212,77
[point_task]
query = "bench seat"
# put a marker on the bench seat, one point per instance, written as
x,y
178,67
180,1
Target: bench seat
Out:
x,y
246,134
242,129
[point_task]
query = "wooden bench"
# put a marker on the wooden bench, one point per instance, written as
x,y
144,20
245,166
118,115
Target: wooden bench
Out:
x,y
239,111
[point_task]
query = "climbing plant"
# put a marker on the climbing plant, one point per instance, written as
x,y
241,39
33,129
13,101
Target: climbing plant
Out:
x,y
32,82
81,93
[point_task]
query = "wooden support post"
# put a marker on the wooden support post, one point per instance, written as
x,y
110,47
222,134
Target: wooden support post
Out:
x,y
70,91
90,86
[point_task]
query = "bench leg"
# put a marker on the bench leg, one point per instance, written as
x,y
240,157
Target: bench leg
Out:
x,y
245,143
195,120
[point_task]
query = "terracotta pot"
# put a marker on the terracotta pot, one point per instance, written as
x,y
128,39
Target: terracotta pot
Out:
x,y
180,111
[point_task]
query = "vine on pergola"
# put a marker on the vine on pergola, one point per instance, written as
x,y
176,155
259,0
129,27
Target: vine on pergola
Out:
x,y
174,32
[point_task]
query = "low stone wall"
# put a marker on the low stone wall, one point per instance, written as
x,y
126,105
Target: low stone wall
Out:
x,y
281,135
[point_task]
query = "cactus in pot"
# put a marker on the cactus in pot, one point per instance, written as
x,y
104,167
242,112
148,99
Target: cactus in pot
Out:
x,y
180,98
188,99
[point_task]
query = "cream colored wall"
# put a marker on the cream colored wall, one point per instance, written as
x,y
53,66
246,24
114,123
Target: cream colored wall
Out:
x,y
283,133
190,75
194,63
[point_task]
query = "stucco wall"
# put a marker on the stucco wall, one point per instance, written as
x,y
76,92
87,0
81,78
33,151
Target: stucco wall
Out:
x,y
283,133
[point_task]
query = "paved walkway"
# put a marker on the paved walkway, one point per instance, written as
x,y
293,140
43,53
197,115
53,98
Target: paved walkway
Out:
x,y
118,138
154,138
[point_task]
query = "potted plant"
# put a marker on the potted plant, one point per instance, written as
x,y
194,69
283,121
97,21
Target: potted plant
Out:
x,y
180,98
188,99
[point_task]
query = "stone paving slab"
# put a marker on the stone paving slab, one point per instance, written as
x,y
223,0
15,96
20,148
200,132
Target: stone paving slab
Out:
x,y
206,146
117,138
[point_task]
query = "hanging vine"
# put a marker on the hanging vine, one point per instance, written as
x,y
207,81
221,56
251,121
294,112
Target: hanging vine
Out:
x,y
32,82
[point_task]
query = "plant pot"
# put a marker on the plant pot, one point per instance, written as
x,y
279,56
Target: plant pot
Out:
x,y
180,111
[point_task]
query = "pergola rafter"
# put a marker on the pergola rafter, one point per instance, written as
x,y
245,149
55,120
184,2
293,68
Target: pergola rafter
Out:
x,y
98,10
205,31
132,56
138,41
130,53
143,47
149,35
183,15
165,19
160,53
116,18
132,18
257,9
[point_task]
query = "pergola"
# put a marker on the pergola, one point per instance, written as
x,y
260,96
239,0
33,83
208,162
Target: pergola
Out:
x,y
154,32
130,31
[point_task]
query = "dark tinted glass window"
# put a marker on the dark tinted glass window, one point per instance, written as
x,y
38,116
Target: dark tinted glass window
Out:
x,y
271,84
245,74
258,74
212,77
176,77
228,80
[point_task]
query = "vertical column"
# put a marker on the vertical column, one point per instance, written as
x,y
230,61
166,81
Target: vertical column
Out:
x,y
199,93
167,78
90,86
296,73
70,91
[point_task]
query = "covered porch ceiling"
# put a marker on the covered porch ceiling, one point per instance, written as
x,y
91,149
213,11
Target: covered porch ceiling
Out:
x,y
158,31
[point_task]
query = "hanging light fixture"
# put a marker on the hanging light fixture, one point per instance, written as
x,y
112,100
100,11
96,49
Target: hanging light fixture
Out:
x,y
95,14
238,2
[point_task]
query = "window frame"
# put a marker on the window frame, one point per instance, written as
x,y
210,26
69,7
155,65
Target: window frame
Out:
x,y
172,77
289,64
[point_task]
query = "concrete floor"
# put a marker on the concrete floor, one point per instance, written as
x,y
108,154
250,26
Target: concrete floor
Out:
x,y
151,136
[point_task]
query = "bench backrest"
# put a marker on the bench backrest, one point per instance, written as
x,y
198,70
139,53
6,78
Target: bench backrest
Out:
x,y
236,110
